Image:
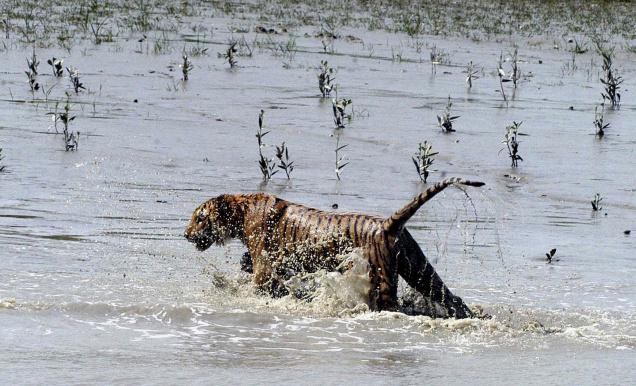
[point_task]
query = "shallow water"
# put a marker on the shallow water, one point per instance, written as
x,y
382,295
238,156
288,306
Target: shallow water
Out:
x,y
98,286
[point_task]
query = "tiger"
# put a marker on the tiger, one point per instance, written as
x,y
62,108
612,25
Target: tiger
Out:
x,y
275,230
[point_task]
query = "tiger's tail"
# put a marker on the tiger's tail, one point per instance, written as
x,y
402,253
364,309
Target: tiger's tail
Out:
x,y
395,223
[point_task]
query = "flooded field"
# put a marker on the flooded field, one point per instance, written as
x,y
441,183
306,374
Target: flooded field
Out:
x,y
98,284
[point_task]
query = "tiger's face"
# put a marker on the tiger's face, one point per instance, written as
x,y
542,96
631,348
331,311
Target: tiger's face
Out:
x,y
207,225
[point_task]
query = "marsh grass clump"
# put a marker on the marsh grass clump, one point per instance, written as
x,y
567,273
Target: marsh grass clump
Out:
x,y
596,202
267,165
446,120
340,164
325,79
423,160
56,65
512,144
339,111
186,67
471,72
611,81
284,163
230,54
73,75
599,123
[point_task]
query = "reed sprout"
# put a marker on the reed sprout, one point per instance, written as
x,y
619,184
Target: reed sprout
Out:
x,y
56,65
512,143
471,72
340,164
186,66
326,79
423,160
267,165
230,54
33,63
599,123
502,76
339,111
596,202
515,73
284,163
445,122
2,167
73,75
71,139
611,81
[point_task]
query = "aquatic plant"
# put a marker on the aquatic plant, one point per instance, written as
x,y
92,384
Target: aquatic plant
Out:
x,y
33,83
339,111
186,67
71,139
284,163
230,54
33,63
471,74
446,120
437,56
512,144
515,73
339,158
267,165
550,256
599,121
56,65
411,24
502,76
325,79
578,47
423,160
73,75
611,81
596,202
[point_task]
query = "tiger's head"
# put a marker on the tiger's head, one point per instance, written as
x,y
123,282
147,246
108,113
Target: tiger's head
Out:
x,y
210,224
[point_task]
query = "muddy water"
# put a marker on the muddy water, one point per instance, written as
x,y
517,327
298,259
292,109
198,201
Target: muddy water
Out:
x,y
98,286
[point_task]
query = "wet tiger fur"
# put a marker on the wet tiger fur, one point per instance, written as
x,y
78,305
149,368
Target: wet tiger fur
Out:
x,y
275,230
